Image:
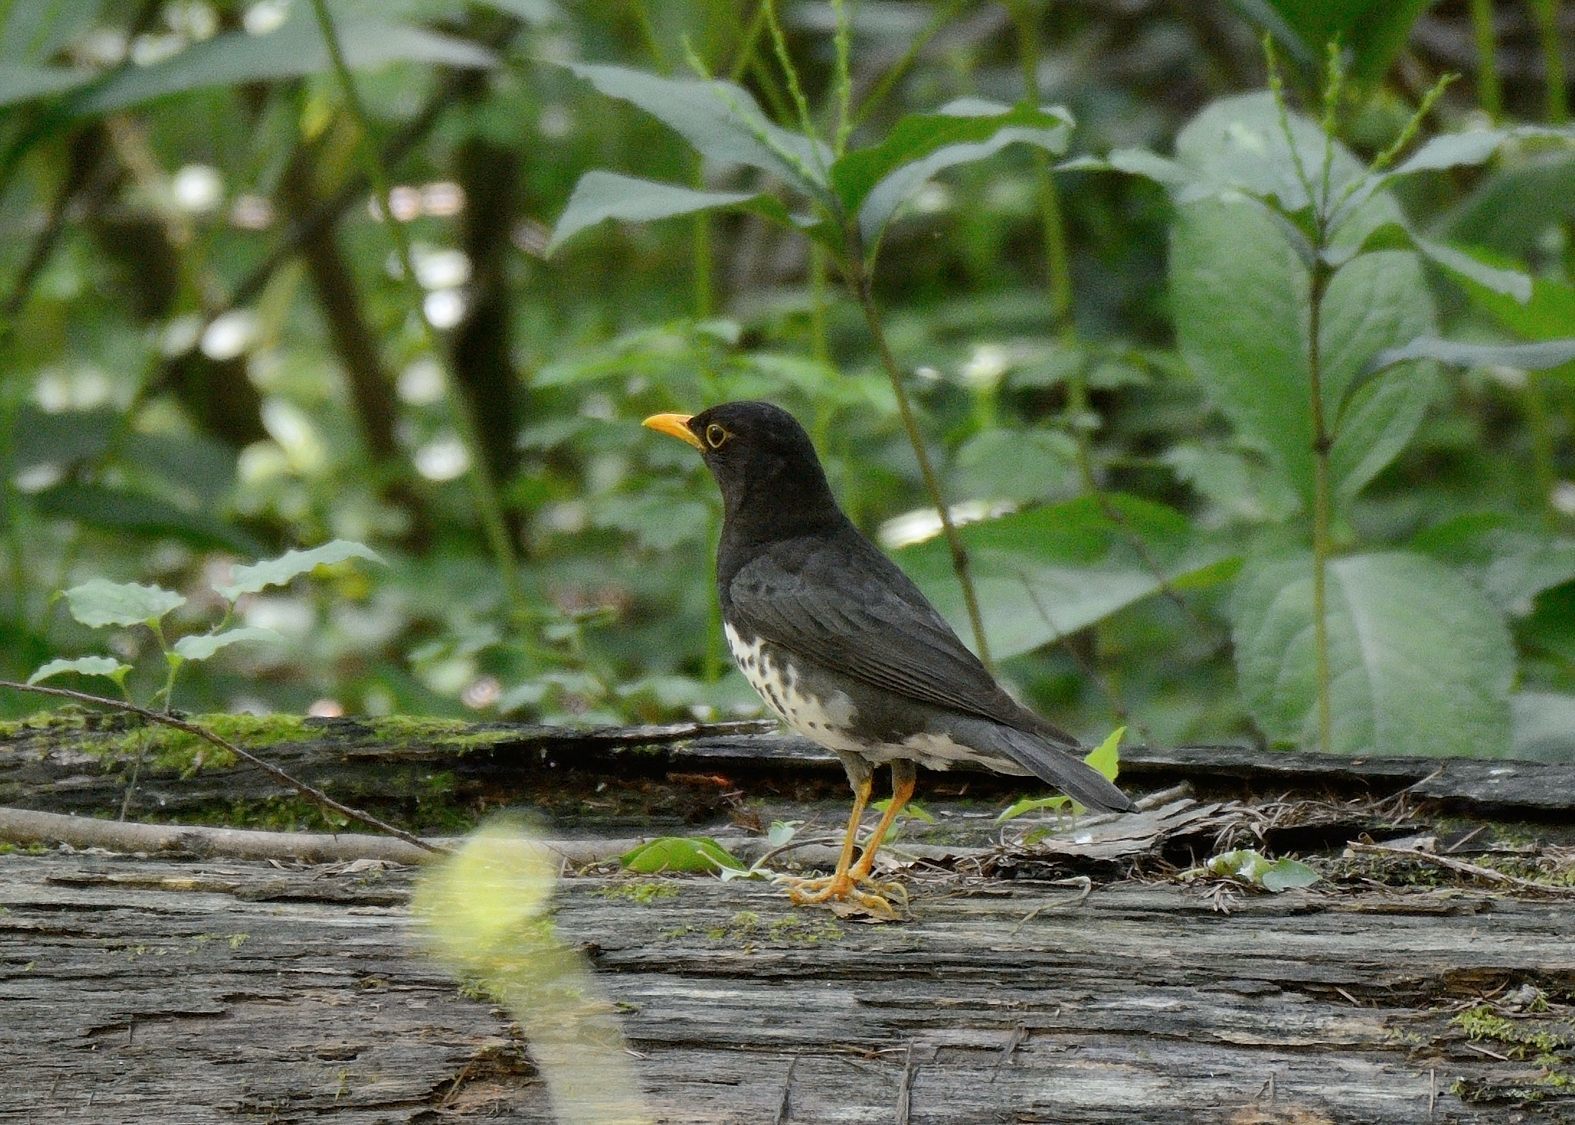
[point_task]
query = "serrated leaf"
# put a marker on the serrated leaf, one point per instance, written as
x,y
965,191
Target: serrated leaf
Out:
x,y
873,182
98,602
1254,362
200,646
1421,662
607,195
249,579
82,665
698,854
721,120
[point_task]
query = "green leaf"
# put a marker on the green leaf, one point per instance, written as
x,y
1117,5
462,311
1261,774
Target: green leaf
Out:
x,y
293,49
20,82
1046,573
1547,315
276,572
1135,162
1032,804
1017,465
1512,565
84,666
607,195
873,182
1238,143
720,120
136,513
200,646
1528,357
98,602
1544,726
1372,31
912,810
679,853
1240,293
1106,757
1421,662
1247,865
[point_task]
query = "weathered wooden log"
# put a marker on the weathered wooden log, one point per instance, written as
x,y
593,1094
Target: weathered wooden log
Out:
x,y
435,772
138,990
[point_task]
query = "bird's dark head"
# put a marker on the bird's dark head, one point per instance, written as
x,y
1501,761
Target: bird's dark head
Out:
x,y
763,462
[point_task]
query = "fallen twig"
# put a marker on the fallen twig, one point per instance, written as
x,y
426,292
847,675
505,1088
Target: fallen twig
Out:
x,y
1476,871
311,792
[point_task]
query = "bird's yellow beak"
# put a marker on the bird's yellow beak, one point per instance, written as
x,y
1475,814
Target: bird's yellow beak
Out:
x,y
673,425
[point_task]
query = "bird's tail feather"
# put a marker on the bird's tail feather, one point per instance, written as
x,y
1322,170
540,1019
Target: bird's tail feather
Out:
x,y
1061,768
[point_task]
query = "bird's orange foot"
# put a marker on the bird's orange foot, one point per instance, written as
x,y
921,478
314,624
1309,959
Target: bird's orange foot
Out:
x,y
844,894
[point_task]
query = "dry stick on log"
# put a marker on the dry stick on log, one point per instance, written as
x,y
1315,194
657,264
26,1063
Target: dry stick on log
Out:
x,y
29,826
1474,870
310,792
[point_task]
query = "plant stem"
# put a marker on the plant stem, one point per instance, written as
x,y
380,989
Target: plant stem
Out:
x,y
1542,460
309,791
489,507
859,282
1490,91
1321,500
1546,13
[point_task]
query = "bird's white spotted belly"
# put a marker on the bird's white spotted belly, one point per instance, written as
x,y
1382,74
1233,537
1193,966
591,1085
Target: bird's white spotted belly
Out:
x,y
822,719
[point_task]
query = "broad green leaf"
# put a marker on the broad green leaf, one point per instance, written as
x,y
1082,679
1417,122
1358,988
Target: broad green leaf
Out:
x,y
200,646
293,49
1237,142
1549,313
1420,661
1240,292
84,666
1106,757
530,11
114,509
1017,465
1508,282
1044,574
1240,487
22,83
1511,210
720,119
249,579
607,195
1372,31
1457,353
1252,867
1511,564
98,602
872,182
1544,726
680,853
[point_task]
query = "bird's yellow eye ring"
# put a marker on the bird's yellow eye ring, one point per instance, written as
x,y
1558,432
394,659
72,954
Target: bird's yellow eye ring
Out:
x,y
716,436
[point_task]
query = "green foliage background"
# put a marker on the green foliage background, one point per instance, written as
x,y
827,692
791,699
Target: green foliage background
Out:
x,y
212,351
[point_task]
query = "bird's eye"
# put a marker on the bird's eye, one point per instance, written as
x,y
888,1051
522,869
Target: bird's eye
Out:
x,y
715,436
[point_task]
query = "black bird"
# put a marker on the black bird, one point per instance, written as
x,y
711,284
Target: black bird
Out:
x,y
841,644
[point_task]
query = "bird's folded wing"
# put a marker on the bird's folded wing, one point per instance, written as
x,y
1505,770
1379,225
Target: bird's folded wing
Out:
x,y
848,606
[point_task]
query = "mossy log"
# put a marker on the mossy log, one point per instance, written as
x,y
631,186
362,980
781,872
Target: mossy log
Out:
x,y
1432,979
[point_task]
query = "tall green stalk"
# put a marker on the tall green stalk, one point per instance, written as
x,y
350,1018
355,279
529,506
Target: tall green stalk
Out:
x,y
1490,91
859,282
1322,443
1546,14
489,506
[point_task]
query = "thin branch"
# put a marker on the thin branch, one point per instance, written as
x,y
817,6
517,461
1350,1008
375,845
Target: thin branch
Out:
x,y
310,792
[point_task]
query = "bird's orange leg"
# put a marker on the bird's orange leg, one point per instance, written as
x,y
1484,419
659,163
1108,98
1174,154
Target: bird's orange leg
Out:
x,y
903,783
837,884
845,883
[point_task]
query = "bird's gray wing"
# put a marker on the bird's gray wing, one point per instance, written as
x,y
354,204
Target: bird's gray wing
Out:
x,y
841,602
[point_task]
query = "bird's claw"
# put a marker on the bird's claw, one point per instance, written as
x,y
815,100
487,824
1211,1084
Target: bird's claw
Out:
x,y
842,890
